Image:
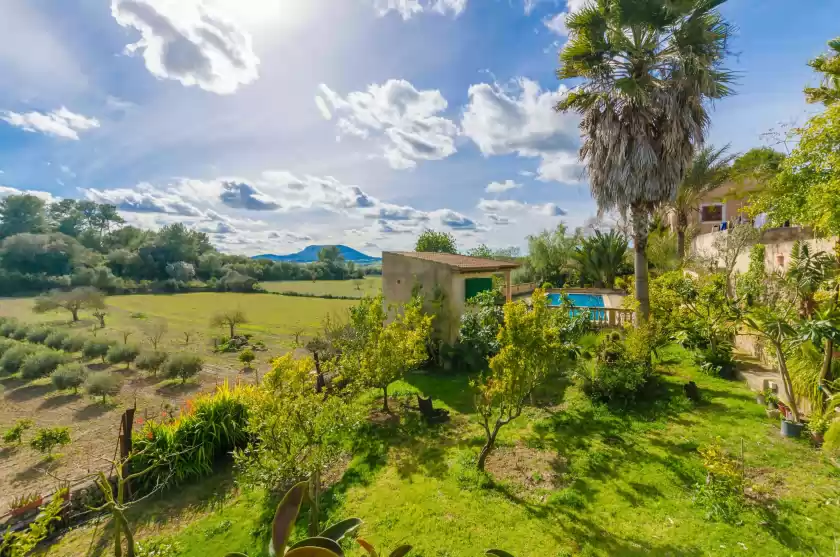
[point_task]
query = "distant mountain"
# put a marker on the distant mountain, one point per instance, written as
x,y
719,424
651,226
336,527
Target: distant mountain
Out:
x,y
310,254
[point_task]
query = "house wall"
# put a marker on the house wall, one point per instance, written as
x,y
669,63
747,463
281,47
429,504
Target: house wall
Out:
x,y
734,198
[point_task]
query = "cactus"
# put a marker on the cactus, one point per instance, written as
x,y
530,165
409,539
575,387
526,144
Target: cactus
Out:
x,y
324,544
401,551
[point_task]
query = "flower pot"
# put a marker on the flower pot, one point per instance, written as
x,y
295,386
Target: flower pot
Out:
x,y
773,413
27,507
760,399
791,429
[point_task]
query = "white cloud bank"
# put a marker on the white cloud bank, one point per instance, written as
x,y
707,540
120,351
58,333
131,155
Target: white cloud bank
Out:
x,y
59,123
405,122
501,187
190,42
409,8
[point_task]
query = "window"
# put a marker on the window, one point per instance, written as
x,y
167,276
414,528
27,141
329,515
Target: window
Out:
x,y
713,212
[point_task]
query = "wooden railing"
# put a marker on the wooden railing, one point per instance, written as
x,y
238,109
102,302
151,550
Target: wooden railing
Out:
x,y
608,317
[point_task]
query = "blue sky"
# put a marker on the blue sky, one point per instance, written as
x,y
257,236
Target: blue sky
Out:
x,y
275,124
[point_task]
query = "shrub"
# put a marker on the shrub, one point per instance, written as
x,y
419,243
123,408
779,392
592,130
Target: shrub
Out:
x,y
74,343
38,334
56,340
831,440
20,332
15,433
69,376
151,361
247,357
47,439
41,363
13,358
718,361
7,328
6,344
123,354
613,374
722,492
96,349
102,383
183,366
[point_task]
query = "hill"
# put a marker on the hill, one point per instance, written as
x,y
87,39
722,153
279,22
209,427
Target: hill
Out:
x,y
310,254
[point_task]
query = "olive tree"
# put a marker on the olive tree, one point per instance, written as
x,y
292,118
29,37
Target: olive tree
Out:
x,y
83,297
229,318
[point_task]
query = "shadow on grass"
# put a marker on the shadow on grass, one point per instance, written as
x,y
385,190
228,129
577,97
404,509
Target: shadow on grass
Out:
x,y
175,388
37,469
28,392
93,410
453,389
58,400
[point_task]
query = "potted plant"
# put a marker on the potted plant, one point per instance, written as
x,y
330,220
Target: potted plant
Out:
x,y
791,428
817,426
25,503
761,396
772,405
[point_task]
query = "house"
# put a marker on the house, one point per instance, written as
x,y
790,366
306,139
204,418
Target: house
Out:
x,y
721,208
446,280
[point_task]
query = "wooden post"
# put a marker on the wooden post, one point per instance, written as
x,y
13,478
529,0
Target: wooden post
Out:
x,y
125,445
508,287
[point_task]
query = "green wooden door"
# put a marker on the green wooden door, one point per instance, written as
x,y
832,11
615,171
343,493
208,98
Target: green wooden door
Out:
x,y
475,285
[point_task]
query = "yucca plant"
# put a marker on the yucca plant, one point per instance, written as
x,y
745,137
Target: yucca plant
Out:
x,y
324,544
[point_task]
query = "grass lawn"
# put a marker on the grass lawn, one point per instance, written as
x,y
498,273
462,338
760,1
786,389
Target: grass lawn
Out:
x,y
568,478
371,285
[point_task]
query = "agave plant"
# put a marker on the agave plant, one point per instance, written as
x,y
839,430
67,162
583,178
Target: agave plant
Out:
x,y
324,544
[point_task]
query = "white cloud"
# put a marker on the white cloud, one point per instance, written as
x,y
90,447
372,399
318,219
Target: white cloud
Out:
x,y
495,207
557,24
454,220
59,123
499,220
408,8
6,191
144,198
501,187
190,42
523,121
404,122
575,5
240,195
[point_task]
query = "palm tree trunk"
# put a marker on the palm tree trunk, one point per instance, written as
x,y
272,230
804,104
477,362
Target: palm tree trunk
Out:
x,y
682,225
639,217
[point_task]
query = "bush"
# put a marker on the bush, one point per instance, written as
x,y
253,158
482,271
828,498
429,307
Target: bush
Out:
x,y
15,433
20,332
151,361
56,340
183,366
74,344
38,334
47,439
69,376
7,328
102,383
247,357
41,363
722,492
13,358
123,354
613,374
831,440
95,349
6,344
717,362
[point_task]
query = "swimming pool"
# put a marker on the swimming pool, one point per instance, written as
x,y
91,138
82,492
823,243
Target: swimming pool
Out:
x,y
579,300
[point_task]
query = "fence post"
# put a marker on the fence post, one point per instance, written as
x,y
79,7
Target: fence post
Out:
x,y
125,445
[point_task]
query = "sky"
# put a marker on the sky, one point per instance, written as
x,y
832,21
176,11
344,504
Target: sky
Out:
x,y
275,124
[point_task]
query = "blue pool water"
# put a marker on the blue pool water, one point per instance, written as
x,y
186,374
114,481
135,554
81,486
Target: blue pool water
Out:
x,y
579,300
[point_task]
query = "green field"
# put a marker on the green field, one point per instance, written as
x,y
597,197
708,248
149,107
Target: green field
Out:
x,y
271,318
371,286
570,479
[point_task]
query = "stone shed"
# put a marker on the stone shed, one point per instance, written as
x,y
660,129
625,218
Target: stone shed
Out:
x,y
446,280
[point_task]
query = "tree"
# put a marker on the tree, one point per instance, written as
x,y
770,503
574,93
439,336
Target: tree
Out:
x,y
102,383
246,357
20,214
47,439
529,343
438,242
183,366
330,254
84,297
151,361
51,254
181,271
551,254
123,354
649,69
296,431
155,332
69,376
100,315
807,273
829,66
229,318
95,349
709,169
601,256
729,246
383,353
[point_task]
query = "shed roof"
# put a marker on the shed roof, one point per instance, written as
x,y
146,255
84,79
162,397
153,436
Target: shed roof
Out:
x,y
462,263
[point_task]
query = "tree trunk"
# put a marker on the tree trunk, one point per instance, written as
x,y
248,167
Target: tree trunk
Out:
x,y
829,346
488,446
385,400
682,225
639,218
787,382
75,312
231,325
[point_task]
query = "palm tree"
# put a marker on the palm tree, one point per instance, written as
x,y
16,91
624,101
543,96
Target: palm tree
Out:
x,y
829,65
649,67
709,169
807,273
600,257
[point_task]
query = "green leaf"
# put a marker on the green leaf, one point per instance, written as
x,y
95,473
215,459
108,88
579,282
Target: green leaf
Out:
x,y
319,541
341,529
284,518
401,551
310,551
369,548
497,553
